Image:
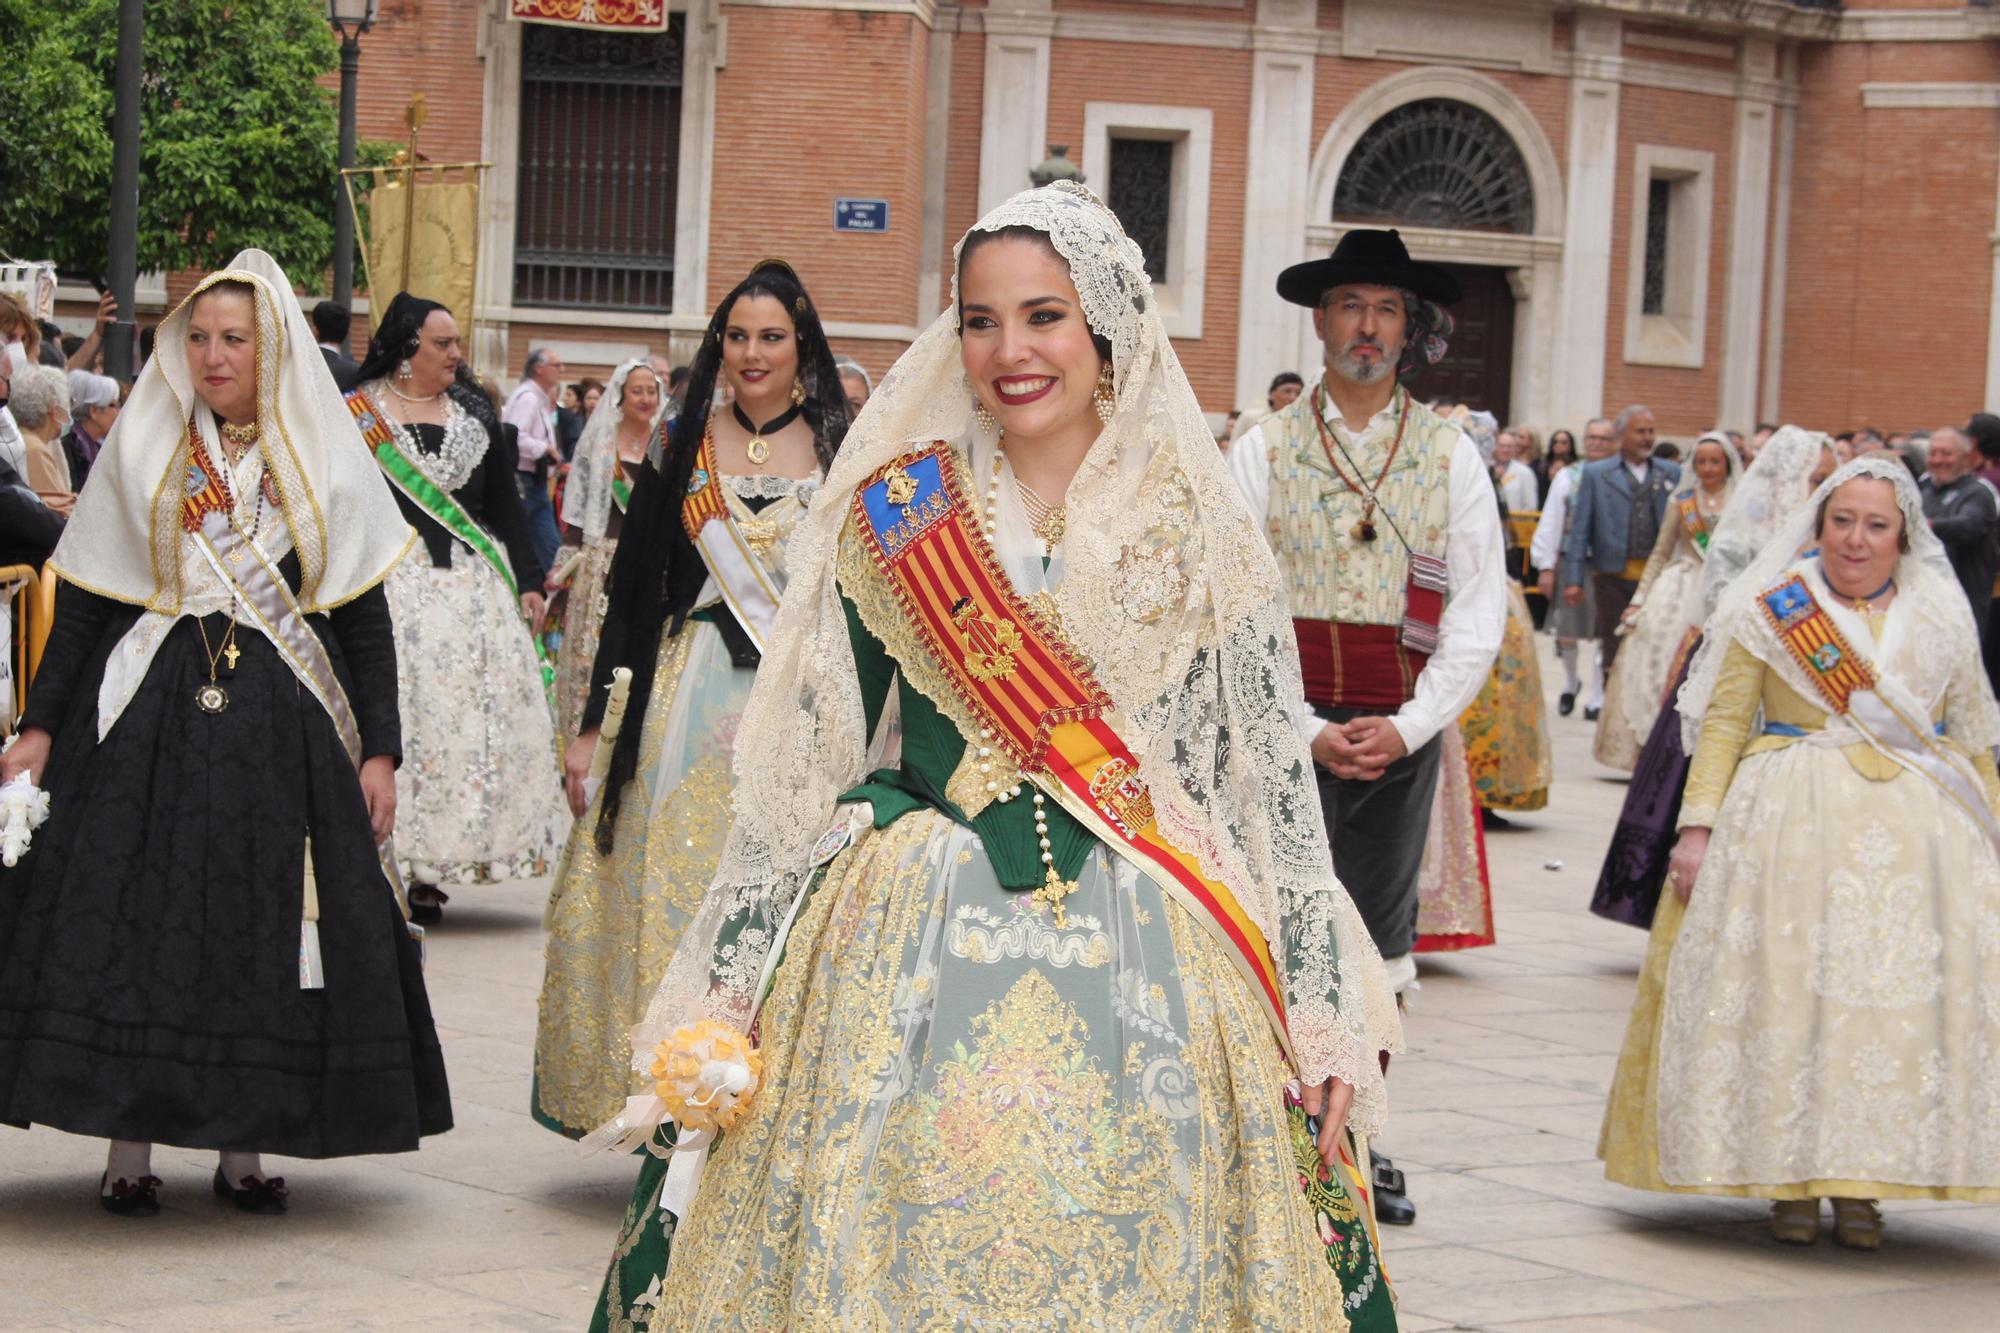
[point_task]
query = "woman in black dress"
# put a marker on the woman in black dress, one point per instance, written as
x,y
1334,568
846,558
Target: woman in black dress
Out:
x,y
480,797
202,947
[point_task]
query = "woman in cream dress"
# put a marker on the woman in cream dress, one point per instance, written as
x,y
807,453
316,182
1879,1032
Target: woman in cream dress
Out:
x,y
695,581
1655,629
1829,1024
1010,1078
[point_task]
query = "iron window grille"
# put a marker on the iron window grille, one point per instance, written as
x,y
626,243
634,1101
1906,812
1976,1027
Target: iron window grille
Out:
x,y
1437,163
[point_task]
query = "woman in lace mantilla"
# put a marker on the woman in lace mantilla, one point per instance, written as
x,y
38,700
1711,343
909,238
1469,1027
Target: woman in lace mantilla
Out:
x,y
613,449
202,947
479,803
1010,1078
1655,629
1827,1026
686,611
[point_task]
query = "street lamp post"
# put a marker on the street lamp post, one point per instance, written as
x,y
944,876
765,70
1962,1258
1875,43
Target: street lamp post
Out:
x,y
350,18
123,256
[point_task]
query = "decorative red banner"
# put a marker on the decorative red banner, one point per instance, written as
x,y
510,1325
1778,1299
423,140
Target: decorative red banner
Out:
x,y
603,15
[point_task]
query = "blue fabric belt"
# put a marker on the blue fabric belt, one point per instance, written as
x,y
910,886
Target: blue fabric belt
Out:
x,y
1787,729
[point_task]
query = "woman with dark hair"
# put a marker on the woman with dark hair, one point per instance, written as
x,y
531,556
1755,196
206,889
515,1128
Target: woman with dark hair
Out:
x,y
693,590
1061,1013
1561,453
478,804
205,945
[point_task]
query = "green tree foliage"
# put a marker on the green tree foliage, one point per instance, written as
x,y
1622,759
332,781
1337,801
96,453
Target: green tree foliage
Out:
x,y
238,138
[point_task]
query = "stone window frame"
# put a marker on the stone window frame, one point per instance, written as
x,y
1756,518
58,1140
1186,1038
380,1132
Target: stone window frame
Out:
x,y
1191,129
1678,336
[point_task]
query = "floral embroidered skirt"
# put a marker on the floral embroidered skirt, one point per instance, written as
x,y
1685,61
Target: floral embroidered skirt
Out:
x,y
1506,730
578,608
1637,686
974,1119
1823,1017
1454,895
479,796
614,918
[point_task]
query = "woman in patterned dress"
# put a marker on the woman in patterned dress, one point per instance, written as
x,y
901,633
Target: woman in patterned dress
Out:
x,y
1655,628
479,804
1817,1017
691,592
1016,1067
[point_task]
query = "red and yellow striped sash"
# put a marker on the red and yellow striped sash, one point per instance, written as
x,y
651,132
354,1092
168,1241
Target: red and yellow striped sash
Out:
x,y
205,492
1809,635
1017,675
704,490
1693,521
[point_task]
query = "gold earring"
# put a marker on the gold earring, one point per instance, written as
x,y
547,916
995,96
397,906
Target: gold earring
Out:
x,y
798,393
1105,396
983,417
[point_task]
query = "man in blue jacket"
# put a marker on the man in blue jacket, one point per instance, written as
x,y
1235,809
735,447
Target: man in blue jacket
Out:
x,y
1616,513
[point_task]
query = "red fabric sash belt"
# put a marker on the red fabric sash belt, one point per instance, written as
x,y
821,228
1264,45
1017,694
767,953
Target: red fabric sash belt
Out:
x,y
1356,666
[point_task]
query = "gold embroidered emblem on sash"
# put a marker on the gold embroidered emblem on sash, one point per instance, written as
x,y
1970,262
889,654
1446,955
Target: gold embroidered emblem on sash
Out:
x,y
1121,796
902,487
989,644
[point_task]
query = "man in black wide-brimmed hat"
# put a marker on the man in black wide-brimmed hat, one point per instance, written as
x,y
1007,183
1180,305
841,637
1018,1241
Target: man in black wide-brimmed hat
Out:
x,y
1387,533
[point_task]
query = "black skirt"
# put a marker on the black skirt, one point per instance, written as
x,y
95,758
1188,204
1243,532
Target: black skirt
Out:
x,y
149,941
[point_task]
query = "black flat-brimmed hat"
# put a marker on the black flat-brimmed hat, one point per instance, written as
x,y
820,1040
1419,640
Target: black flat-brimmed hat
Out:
x,y
1375,258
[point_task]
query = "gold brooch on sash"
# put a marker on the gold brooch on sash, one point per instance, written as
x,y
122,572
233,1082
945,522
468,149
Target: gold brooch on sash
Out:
x,y
902,487
1120,795
989,644
761,533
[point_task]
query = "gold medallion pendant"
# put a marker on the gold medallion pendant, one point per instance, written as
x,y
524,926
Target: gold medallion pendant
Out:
x,y
211,697
759,450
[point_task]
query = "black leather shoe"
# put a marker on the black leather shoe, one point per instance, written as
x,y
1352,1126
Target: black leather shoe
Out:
x,y
427,905
1567,704
1590,714
1493,822
252,1195
1392,1207
129,1198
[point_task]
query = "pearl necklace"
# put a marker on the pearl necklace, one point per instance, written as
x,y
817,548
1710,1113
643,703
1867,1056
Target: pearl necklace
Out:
x,y
412,397
1048,521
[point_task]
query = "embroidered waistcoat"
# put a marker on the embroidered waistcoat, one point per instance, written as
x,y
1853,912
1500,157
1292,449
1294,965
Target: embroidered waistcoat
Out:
x,y
1328,574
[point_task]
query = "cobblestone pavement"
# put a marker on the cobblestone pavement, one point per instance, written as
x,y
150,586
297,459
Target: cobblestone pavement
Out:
x,y
502,1225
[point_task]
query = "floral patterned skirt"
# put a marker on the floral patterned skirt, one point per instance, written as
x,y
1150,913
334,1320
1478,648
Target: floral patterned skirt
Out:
x,y
1454,894
972,1118
1506,730
578,607
479,796
1636,689
614,917
1823,1018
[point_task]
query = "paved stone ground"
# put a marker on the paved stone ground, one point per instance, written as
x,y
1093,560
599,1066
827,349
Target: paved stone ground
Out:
x,y
502,1225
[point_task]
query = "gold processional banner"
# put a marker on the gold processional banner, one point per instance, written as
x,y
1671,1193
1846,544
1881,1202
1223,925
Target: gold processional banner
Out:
x,y
423,238
604,15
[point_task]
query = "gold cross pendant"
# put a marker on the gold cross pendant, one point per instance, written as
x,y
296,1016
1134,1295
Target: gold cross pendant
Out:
x,y
231,653
1054,889
236,556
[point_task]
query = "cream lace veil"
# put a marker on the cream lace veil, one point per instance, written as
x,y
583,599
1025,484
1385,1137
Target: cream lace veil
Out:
x,y
587,497
1924,580
124,539
1776,483
1172,596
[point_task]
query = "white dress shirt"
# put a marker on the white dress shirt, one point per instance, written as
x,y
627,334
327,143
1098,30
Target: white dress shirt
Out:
x,y
1475,609
534,418
1545,547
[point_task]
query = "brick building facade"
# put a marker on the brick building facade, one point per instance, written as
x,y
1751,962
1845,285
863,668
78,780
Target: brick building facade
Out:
x,y
1733,210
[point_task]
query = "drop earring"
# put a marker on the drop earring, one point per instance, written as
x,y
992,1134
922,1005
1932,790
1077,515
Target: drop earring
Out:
x,y
403,371
983,418
1105,396
798,394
